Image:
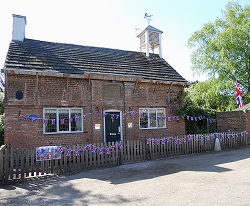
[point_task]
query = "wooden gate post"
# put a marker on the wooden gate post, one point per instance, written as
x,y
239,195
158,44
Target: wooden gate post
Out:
x,y
1,163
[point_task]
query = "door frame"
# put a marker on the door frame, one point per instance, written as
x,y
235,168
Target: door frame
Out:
x,y
121,126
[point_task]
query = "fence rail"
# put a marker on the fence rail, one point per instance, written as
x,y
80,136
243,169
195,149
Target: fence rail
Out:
x,y
21,163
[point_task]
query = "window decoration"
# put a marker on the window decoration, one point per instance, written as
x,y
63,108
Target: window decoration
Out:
x,y
62,120
152,118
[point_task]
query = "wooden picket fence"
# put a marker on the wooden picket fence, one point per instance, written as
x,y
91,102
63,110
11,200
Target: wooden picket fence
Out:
x,y
21,163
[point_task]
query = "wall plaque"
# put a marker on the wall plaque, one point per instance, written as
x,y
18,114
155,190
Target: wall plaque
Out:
x,y
111,92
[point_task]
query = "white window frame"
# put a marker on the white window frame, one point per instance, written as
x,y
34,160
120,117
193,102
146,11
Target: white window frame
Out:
x,y
58,120
148,111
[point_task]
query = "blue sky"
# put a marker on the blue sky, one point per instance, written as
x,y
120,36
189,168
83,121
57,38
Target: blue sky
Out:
x,y
112,23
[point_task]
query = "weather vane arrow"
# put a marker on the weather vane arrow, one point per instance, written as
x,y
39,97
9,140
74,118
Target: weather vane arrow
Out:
x,y
148,17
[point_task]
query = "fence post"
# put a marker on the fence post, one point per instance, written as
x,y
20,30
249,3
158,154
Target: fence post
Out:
x,y
1,163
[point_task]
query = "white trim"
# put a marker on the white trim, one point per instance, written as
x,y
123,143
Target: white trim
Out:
x,y
121,127
57,120
156,119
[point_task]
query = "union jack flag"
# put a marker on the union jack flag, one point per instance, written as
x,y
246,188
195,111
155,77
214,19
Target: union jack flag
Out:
x,y
169,118
184,140
120,145
77,153
62,121
148,141
228,136
175,141
167,140
144,116
177,118
77,119
108,151
89,147
105,115
84,116
132,113
25,118
112,147
196,138
83,149
140,115
158,142
201,138
100,152
153,142
241,134
68,153
222,135
192,119
238,96
71,119
188,117
117,116
43,121
94,149
233,136
163,141
217,135
124,114
61,150
33,119
180,141
112,116
208,138
53,121
173,118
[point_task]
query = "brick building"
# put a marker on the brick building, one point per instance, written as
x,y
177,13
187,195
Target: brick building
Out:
x,y
58,94
236,120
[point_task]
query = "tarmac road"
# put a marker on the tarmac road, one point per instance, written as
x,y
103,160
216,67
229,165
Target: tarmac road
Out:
x,y
216,178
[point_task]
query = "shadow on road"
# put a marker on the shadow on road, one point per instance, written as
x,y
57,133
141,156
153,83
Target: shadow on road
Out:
x,y
70,188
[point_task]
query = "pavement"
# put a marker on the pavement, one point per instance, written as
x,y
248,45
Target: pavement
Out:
x,y
213,178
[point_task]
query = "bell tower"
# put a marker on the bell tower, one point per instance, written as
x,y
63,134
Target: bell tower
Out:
x,y
150,38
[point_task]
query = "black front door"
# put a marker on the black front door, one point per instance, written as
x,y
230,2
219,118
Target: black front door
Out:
x,y
112,127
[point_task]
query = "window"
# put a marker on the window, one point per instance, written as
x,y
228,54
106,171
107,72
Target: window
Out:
x,y
62,120
152,118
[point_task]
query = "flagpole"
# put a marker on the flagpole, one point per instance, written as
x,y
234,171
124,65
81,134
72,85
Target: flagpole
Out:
x,y
239,113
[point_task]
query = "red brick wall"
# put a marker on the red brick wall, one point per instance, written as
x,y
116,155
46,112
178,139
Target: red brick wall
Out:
x,y
41,92
233,121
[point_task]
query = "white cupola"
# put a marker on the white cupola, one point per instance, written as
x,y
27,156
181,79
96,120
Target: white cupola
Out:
x,y
18,32
150,38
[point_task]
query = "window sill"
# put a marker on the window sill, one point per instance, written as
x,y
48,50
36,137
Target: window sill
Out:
x,y
64,132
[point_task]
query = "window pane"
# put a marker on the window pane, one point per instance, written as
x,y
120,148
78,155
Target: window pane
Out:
x,y
160,118
50,126
76,121
152,117
63,119
144,118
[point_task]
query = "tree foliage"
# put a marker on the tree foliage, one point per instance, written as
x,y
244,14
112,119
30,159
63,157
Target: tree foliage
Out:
x,y
222,48
212,95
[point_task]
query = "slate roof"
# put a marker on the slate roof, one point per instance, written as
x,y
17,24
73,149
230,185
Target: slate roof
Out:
x,y
42,56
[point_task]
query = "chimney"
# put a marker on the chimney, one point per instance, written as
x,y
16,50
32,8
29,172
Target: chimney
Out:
x,y
18,33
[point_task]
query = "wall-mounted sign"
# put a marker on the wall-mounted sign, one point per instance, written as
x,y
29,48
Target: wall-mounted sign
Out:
x,y
97,126
130,125
33,117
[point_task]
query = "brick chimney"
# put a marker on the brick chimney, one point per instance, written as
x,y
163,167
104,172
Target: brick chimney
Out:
x,y
18,33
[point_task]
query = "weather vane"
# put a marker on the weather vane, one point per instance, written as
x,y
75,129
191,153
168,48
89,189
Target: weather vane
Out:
x,y
148,17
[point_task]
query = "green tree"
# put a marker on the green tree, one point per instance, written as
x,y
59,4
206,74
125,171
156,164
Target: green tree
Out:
x,y
211,95
222,48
